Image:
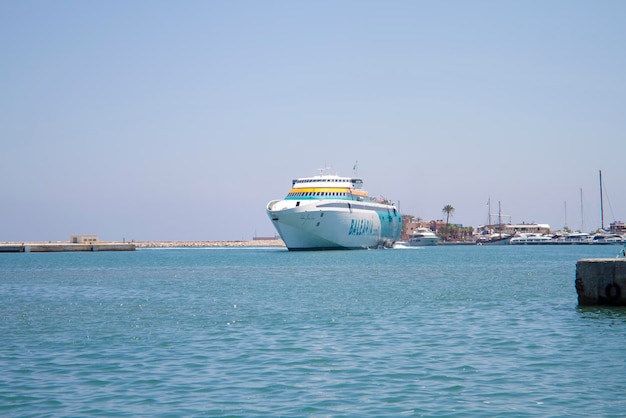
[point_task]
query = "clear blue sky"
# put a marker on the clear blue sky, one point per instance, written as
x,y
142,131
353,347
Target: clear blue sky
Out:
x,y
164,120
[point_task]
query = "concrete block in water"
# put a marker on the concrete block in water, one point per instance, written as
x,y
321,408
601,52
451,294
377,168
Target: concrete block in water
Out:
x,y
113,247
601,281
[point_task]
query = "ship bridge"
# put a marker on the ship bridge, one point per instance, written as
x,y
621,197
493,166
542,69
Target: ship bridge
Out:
x,y
327,181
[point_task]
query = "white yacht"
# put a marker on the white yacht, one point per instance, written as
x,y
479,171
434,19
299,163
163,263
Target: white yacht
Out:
x,y
422,237
532,239
331,212
605,238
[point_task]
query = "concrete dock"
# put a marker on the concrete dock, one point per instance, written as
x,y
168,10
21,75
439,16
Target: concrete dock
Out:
x,y
601,281
64,247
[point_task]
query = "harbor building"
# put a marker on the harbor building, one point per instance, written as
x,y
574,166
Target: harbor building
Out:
x,y
83,239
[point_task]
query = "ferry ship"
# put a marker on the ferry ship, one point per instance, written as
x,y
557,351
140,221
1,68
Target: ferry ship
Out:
x,y
329,212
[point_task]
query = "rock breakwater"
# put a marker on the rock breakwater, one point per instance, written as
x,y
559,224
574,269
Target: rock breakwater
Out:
x,y
201,244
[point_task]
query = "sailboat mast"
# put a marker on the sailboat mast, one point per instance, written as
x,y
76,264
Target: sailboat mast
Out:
x,y
582,212
601,204
499,219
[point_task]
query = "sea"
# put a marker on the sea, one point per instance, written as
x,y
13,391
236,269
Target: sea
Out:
x,y
445,331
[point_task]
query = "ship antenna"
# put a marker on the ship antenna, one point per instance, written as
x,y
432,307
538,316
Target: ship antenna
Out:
x,y
355,168
326,168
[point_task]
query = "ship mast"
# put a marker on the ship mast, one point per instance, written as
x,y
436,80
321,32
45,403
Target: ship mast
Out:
x,y
500,218
582,212
601,204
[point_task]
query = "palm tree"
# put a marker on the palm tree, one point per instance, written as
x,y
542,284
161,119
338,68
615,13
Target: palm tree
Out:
x,y
447,210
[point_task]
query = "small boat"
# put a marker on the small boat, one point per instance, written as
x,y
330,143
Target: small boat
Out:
x,y
423,237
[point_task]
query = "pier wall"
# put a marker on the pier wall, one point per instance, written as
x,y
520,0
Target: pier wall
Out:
x,y
601,281
65,247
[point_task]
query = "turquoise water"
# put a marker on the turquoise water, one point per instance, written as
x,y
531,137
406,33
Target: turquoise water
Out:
x,y
441,331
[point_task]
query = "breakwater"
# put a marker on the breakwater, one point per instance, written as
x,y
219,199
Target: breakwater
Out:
x,y
202,244
32,247
48,247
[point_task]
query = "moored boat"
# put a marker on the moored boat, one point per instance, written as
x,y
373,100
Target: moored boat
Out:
x,y
493,239
327,212
532,239
606,239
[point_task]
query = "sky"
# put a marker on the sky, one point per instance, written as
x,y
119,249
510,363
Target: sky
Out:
x,y
164,120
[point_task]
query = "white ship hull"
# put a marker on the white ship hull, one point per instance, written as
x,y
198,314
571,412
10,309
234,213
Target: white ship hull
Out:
x,y
320,225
